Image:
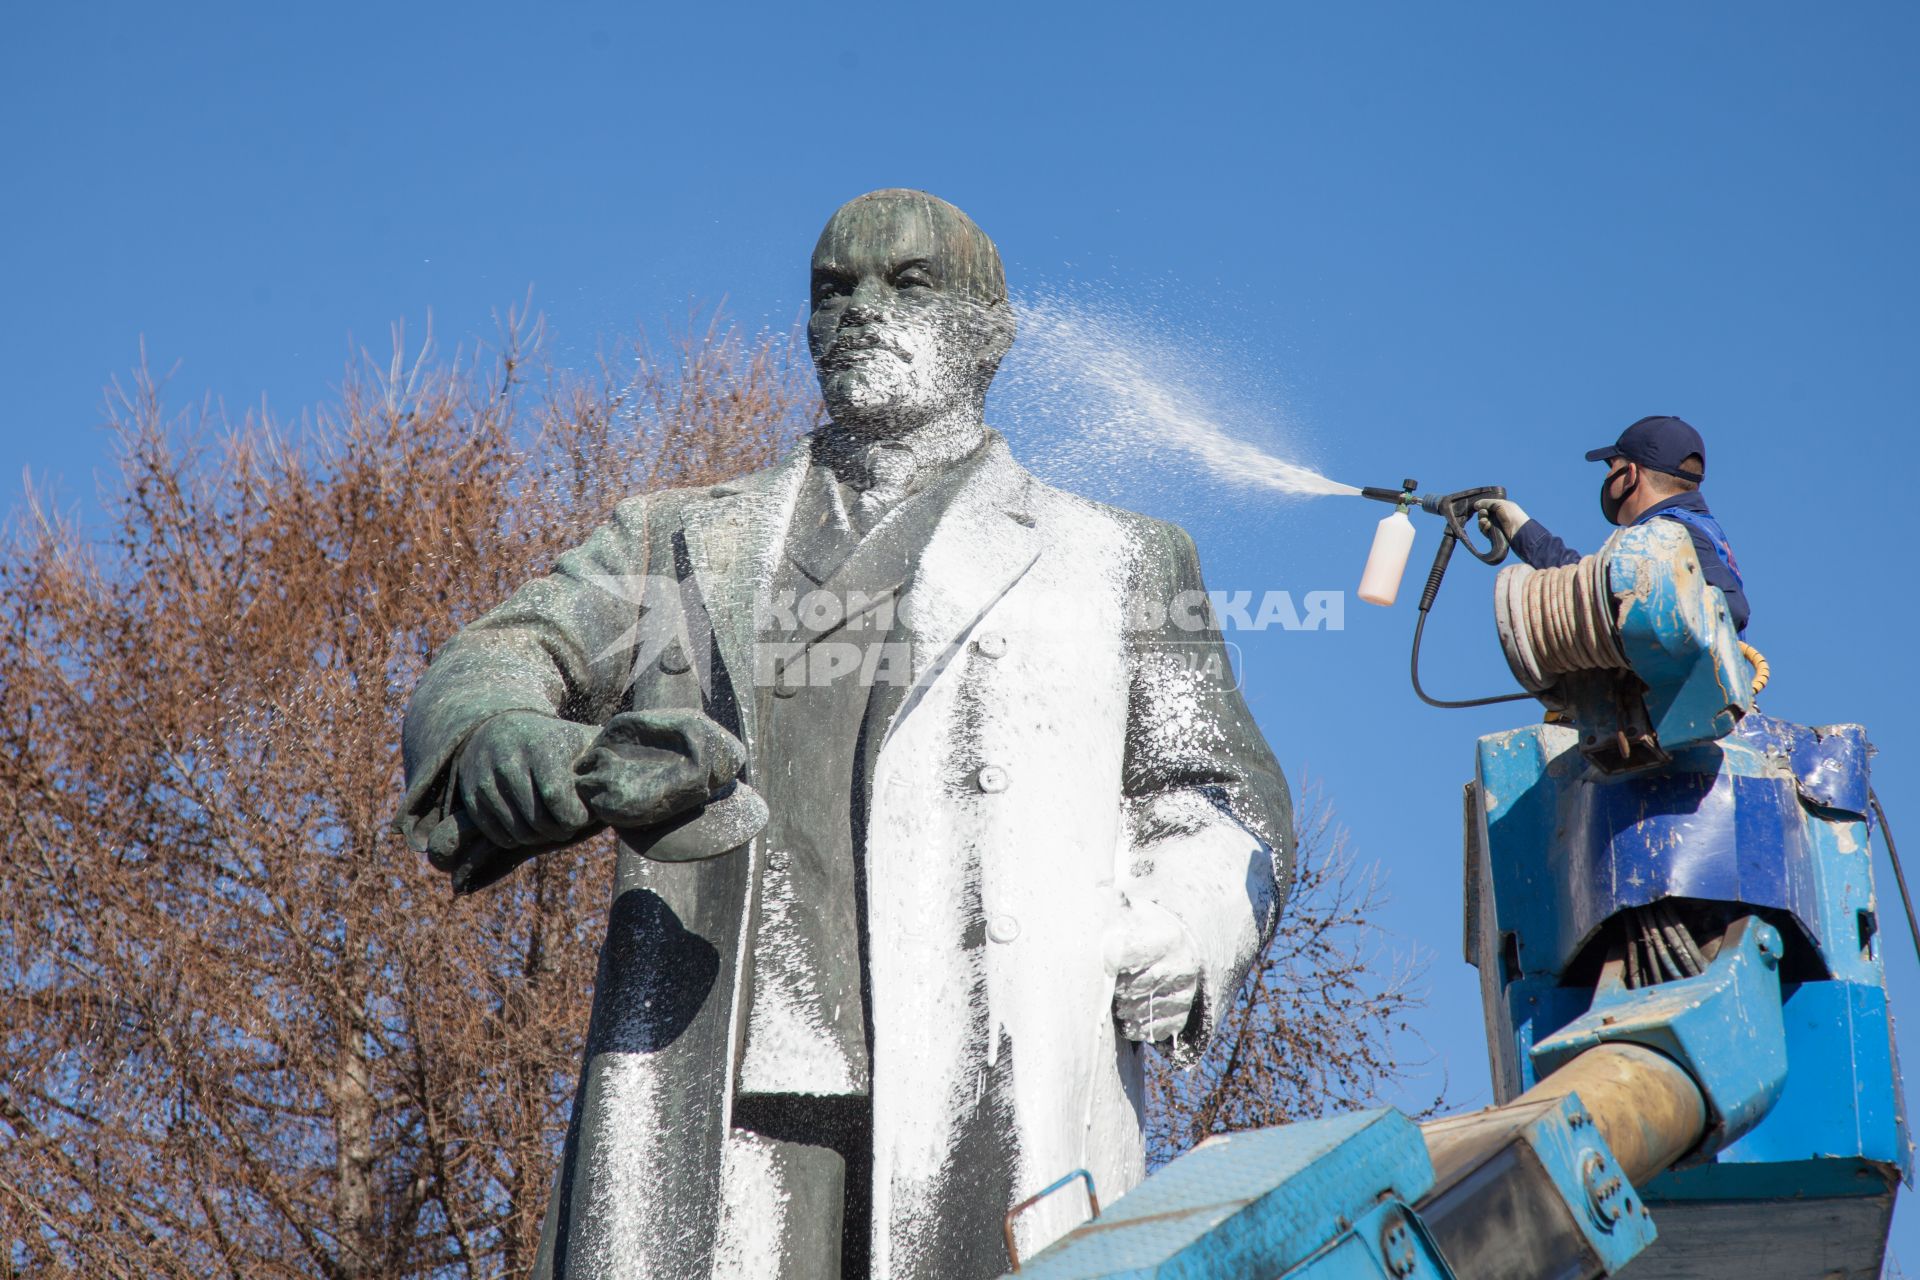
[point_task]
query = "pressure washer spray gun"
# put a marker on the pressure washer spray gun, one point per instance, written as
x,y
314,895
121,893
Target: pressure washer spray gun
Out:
x,y
1393,542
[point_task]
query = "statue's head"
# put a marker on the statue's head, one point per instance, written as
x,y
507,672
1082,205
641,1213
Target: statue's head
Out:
x,y
910,314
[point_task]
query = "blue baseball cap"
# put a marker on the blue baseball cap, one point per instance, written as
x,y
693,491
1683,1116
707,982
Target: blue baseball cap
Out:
x,y
1659,444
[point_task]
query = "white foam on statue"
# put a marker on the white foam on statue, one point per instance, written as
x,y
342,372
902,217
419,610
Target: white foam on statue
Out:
x,y
1113,395
754,1206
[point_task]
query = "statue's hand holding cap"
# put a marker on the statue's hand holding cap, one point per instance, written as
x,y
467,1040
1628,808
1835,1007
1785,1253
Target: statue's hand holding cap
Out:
x,y
668,778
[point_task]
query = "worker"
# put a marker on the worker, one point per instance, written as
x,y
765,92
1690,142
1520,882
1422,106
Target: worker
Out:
x,y
1654,472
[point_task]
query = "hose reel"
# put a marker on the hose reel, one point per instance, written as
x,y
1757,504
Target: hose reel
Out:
x,y
1553,622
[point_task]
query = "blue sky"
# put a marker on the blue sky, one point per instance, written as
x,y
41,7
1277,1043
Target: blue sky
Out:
x,y
1464,244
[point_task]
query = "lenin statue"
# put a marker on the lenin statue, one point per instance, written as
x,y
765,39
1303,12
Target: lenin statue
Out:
x,y
939,810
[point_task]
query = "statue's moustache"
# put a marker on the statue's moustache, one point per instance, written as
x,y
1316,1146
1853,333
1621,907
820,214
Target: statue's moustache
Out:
x,y
844,347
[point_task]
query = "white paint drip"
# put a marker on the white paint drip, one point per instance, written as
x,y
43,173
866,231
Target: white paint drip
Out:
x,y
1126,394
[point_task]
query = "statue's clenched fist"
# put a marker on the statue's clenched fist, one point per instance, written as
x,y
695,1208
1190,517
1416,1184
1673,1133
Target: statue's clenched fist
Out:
x,y
515,779
1156,970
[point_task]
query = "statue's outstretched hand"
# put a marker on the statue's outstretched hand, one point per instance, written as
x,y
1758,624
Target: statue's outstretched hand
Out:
x,y
1156,969
515,780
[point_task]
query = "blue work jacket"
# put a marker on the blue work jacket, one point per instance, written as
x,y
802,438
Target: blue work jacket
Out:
x,y
1536,545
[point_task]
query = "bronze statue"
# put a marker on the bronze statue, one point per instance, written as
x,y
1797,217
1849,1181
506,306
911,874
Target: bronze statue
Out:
x,y
935,812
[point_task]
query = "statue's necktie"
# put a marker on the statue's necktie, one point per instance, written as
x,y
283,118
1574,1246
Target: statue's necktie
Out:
x,y
889,477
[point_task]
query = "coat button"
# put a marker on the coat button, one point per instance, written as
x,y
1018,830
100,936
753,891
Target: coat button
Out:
x,y
1003,928
992,778
990,644
784,684
673,660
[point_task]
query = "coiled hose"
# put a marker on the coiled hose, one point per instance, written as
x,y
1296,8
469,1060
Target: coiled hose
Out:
x,y
1556,621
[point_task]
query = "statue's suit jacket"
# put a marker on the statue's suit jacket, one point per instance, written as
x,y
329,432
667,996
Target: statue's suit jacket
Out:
x,y
1069,741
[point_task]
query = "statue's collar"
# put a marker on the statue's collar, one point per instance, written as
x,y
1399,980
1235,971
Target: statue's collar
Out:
x,y
991,456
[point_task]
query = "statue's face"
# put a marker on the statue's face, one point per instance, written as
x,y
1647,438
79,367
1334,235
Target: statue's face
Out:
x,y
900,332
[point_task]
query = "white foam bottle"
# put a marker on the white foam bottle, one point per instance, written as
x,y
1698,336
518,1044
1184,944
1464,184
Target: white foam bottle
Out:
x,y
1392,543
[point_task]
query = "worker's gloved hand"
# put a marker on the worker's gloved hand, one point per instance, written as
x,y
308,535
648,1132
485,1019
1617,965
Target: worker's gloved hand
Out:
x,y
648,766
1156,969
515,781
1508,517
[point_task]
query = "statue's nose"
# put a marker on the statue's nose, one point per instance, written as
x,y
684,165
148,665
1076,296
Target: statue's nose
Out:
x,y
867,303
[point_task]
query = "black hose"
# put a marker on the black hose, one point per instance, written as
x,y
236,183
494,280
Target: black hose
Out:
x,y
1421,626
1439,571
1899,876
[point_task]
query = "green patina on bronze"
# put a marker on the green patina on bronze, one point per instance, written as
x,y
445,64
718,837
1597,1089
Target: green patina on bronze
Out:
x,y
910,224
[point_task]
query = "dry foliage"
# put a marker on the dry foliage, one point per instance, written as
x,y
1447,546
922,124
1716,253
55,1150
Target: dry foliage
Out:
x,y
244,1031
1320,1025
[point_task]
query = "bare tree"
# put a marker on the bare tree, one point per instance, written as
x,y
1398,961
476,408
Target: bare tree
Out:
x,y
246,1032
1321,1023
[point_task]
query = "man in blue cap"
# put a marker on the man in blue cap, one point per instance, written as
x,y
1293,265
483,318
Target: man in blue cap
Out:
x,y
1654,472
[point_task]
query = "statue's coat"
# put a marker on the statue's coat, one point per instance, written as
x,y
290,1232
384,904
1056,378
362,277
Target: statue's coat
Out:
x,y
1127,775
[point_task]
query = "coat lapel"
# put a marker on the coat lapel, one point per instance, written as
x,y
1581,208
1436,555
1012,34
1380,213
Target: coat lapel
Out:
x,y
988,537
733,543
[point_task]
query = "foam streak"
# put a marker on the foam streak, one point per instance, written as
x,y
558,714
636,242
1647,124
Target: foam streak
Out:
x,y
1116,386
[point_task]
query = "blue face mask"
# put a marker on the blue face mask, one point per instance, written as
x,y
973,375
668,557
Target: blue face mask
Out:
x,y
1610,505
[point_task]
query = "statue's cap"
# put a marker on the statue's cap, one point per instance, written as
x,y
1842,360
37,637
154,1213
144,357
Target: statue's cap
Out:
x,y
926,222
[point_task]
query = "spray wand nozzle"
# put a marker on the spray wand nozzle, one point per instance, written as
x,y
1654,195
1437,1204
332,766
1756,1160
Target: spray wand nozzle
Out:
x,y
1403,496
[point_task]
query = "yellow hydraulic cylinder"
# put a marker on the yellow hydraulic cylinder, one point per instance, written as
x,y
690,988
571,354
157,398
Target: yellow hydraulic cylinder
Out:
x,y
1643,1103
